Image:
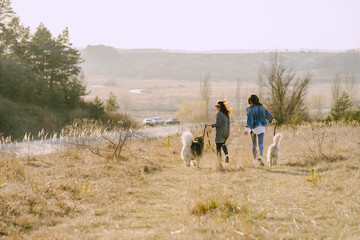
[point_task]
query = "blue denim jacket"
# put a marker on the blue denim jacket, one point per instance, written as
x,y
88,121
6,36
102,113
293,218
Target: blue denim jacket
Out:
x,y
257,115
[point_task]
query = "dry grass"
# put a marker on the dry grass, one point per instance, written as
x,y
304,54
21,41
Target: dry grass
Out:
x,y
77,195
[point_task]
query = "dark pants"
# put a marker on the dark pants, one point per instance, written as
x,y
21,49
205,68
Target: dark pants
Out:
x,y
223,146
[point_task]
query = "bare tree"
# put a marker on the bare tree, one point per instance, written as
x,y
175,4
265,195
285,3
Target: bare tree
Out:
x,y
350,86
192,111
317,104
261,88
336,89
205,92
283,91
238,98
105,140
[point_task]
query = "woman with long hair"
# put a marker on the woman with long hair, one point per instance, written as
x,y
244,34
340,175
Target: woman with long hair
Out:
x,y
257,115
222,126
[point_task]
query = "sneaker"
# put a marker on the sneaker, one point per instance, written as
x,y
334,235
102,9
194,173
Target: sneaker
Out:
x,y
260,161
227,159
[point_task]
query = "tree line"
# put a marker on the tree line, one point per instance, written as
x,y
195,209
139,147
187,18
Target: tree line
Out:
x,y
38,68
41,81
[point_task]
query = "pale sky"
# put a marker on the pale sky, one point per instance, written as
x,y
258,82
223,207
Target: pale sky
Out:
x,y
198,25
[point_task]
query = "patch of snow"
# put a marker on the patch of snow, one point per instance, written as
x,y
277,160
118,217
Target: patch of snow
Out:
x,y
137,90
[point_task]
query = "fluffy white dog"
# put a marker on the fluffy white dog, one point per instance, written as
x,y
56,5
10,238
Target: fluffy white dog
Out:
x,y
274,150
192,149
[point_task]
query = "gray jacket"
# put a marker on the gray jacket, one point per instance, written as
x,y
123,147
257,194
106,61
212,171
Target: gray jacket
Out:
x,y
222,127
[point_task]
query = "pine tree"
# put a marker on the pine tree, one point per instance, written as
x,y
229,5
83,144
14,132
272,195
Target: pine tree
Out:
x,y
111,103
96,108
14,36
70,73
15,72
342,105
56,65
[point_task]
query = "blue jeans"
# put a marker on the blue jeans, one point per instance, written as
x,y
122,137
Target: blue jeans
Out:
x,y
261,143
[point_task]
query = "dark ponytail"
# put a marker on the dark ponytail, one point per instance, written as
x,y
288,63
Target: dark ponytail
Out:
x,y
253,99
225,107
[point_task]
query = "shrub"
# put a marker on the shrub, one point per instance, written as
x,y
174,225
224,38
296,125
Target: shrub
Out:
x,y
85,133
225,207
18,119
96,108
342,112
192,111
111,103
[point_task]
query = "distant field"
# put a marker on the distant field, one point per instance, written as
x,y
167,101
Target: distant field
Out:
x,y
187,66
169,78
163,97
159,96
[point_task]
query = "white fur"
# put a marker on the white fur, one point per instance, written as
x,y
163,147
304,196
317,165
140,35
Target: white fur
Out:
x,y
186,154
274,150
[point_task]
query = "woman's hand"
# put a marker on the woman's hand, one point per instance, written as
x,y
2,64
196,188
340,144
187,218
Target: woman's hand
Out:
x,y
246,133
274,121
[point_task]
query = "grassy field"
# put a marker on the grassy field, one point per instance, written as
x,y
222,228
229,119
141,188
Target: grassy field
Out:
x,y
149,194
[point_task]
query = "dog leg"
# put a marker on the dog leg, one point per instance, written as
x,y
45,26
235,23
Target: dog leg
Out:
x,y
273,160
184,159
198,161
268,156
270,159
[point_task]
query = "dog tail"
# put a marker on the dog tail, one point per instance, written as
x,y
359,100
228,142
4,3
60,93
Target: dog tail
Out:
x,y
277,139
187,138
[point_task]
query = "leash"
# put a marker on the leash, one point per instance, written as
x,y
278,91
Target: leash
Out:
x,y
207,134
275,129
204,132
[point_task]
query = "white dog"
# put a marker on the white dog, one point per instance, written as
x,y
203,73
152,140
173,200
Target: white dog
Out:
x,y
192,149
274,150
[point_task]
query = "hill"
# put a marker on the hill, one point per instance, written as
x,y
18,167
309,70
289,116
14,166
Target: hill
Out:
x,y
104,61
